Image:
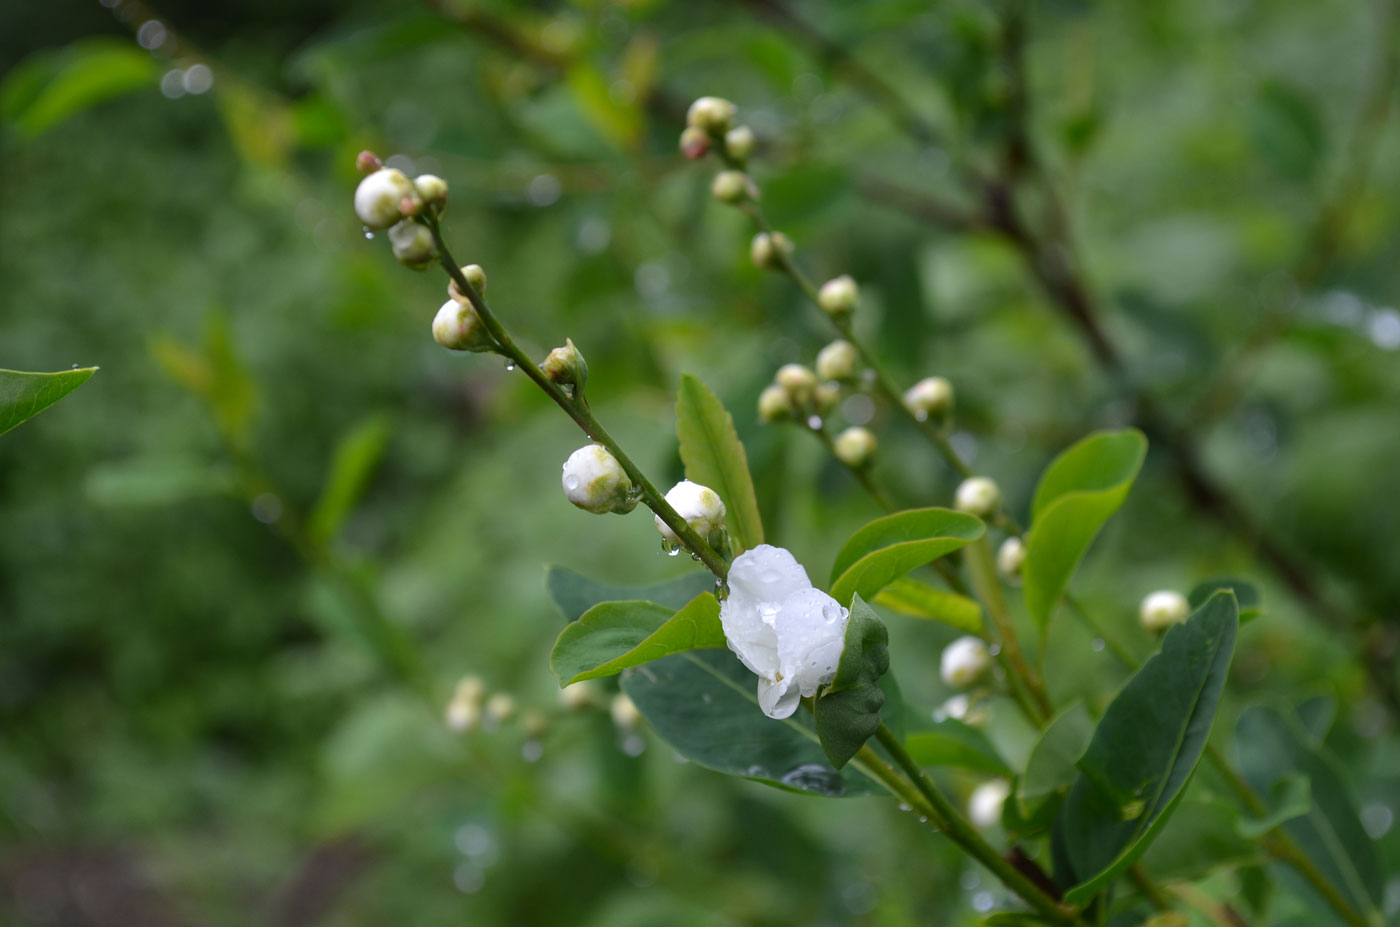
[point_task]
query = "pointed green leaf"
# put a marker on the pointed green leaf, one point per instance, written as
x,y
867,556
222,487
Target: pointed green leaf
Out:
x,y
951,743
1052,767
573,593
352,464
889,547
918,599
1246,594
1079,491
848,710
612,636
713,457
25,395
1144,751
50,86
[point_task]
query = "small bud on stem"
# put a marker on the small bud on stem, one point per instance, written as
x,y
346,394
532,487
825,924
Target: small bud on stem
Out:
x,y
766,250
459,327
837,361
739,143
978,496
1162,609
367,162
733,187
378,196
413,245
712,114
838,296
855,447
695,143
567,367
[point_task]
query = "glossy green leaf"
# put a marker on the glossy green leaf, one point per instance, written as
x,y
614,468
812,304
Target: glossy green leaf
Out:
x,y
952,744
1079,491
1289,798
848,710
573,593
51,86
889,547
611,636
1144,751
1272,747
25,395
918,599
704,704
1052,768
714,457
1204,838
1246,594
352,465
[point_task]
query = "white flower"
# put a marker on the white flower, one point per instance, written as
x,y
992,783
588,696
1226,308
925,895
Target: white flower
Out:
x,y
698,505
1162,609
458,326
787,633
930,396
1011,556
838,295
964,661
977,496
378,196
984,806
595,482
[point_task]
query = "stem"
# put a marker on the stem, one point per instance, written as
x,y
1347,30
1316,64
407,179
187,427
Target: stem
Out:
x,y
576,410
981,568
961,832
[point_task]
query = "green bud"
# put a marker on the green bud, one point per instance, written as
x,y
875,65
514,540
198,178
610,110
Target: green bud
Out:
x,y
733,187
566,367
475,276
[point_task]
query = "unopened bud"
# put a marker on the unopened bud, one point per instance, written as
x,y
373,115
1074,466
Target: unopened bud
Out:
x,y
595,482
855,447
931,396
712,114
458,326
462,716
500,707
838,296
799,381
733,187
411,206
985,804
431,188
767,250
470,689
825,397
774,405
624,712
977,496
579,696
700,506
475,276
695,143
567,367
837,361
413,244
738,143
1162,609
367,162
1011,556
964,661
534,724
378,196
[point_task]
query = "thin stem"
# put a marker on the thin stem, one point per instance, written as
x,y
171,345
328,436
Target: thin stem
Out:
x,y
576,410
981,568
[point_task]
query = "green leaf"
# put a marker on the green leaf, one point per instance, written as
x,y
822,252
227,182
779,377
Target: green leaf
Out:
x,y
51,86
612,636
158,481
1273,747
848,710
1289,798
951,743
352,465
1251,606
25,395
573,593
1052,768
714,457
1078,492
1144,751
705,705
1204,837
920,600
889,547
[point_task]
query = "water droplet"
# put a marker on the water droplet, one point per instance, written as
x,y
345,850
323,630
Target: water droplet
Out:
x,y
1097,644
568,390
368,233
994,650
921,415
904,807
668,546
571,483
813,777
632,745
756,771
75,366
531,751
814,422
510,365
674,551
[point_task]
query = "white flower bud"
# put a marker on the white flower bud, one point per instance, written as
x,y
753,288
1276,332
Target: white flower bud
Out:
x,y
500,707
964,661
738,143
624,712
378,196
1162,609
695,143
470,689
534,724
825,397
458,326
985,804
431,188
977,496
855,447
799,381
930,396
475,276
462,716
774,405
595,482
962,708
767,251
1010,558
412,244
579,696
837,361
713,114
733,187
838,296
700,506
566,367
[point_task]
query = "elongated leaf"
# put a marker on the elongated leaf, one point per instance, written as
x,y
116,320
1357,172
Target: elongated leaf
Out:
x,y
1144,752
713,457
1273,746
1078,492
918,599
50,86
889,547
573,593
352,465
612,636
955,745
1251,606
25,395
1052,768
848,710
705,705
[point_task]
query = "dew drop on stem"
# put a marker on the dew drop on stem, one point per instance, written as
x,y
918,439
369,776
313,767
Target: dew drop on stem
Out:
x,y
815,423
368,233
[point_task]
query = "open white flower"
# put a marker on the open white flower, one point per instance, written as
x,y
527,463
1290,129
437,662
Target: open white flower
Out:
x,y
787,633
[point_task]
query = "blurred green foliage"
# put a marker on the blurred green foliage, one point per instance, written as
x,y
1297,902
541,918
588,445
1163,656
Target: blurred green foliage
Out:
x,y
232,564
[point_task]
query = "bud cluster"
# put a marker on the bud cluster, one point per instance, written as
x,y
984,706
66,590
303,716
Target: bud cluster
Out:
x,y
387,199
